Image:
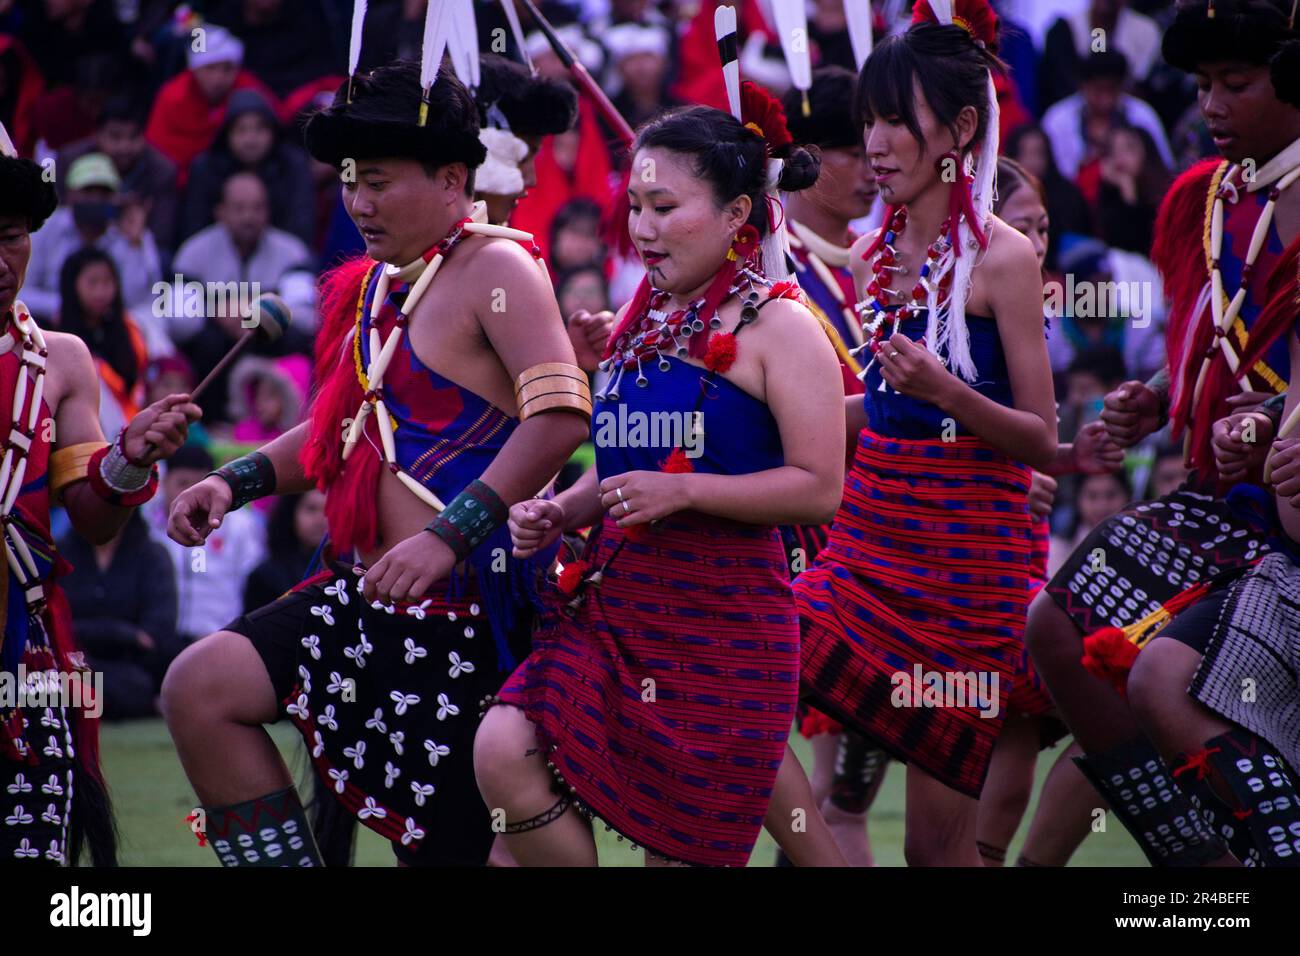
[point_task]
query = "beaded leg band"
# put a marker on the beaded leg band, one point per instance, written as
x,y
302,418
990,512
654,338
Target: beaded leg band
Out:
x,y
269,831
1264,810
556,811
1144,797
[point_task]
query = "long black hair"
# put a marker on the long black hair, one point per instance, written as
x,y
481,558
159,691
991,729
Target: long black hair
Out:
x,y
732,158
109,339
951,69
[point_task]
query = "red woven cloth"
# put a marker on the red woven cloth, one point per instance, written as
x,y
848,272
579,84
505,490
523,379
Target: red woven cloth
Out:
x,y
928,565
667,701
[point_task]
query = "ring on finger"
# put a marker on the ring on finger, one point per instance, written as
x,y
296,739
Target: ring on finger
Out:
x,y
627,509
619,492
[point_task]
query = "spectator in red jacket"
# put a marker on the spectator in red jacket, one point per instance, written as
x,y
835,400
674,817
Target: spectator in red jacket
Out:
x,y
191,107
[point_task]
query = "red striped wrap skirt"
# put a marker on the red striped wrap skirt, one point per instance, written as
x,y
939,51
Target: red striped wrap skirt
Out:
x,y
666,700
917,605
1028,694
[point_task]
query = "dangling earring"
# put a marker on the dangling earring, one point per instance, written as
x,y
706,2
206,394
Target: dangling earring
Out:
x,y
950,160
743,243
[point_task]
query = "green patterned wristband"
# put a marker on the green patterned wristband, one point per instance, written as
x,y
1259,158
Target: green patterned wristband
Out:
x,y
1273,407
470,519
250,477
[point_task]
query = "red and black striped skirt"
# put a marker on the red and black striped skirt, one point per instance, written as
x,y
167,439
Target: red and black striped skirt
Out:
x,y
913,616
666,699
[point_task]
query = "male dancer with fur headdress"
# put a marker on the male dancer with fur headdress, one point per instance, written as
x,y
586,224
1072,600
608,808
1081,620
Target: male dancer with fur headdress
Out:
x,y
518,111
446,390
1232,307
52,795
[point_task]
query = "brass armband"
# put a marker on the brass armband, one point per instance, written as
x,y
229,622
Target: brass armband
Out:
x,y
68,465
552,385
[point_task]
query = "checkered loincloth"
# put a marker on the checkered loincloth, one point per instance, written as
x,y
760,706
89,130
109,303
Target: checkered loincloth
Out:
x,y
1249,673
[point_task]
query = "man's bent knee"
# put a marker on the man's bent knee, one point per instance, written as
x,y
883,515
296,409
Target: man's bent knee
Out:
x,y
220,674
1159,676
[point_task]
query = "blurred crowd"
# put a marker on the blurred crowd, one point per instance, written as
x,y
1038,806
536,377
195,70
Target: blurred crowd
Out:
x,y
175,134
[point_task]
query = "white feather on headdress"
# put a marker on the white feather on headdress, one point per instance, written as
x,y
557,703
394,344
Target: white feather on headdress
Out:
x,y
724,29
792,29
354,42
857,15
517,31
942,10
462,41
7,147
434,43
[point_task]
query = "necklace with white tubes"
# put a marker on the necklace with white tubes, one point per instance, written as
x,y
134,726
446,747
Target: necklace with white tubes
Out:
x,y
1224,318
420,274
26,407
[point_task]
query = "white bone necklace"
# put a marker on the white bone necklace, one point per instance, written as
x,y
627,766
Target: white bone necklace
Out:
x,y
22,432
420,273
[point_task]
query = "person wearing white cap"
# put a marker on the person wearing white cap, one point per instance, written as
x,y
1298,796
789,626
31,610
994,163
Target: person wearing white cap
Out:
x,y
190,107
638,57
95,215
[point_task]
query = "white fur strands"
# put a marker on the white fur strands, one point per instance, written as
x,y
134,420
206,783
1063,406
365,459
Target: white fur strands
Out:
x,y
953,334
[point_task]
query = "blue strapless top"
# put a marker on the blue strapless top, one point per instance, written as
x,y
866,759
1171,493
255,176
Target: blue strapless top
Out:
x,y
446,436
640,429
895,415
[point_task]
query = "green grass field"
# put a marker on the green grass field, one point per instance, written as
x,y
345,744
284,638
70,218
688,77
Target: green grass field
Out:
x,y
152,799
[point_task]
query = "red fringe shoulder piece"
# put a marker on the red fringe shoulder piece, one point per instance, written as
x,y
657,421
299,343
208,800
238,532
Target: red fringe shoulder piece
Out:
x,y
349,489
1183,265
1178,251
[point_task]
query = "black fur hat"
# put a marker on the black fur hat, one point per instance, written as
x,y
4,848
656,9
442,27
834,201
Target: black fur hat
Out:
x,y
1252,31
383,120
24,192
829,123
1285,71
532,105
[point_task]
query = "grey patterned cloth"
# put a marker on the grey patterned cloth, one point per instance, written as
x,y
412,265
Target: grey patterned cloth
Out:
x,y
1250,673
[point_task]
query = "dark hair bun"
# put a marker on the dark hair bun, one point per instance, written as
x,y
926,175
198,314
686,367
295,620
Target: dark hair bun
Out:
x,y
800,171
1284,69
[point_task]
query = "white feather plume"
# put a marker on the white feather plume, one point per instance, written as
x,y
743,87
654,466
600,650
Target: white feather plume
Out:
x,y
354,45
517,30
435,42
724,22
942,10
857,14
792,25
7,147
462,41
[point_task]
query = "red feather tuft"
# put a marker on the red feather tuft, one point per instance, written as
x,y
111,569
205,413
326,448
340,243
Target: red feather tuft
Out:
x,y
765,111
786,290
721,353
1108,654
571,576
349,505
976,17
676,463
